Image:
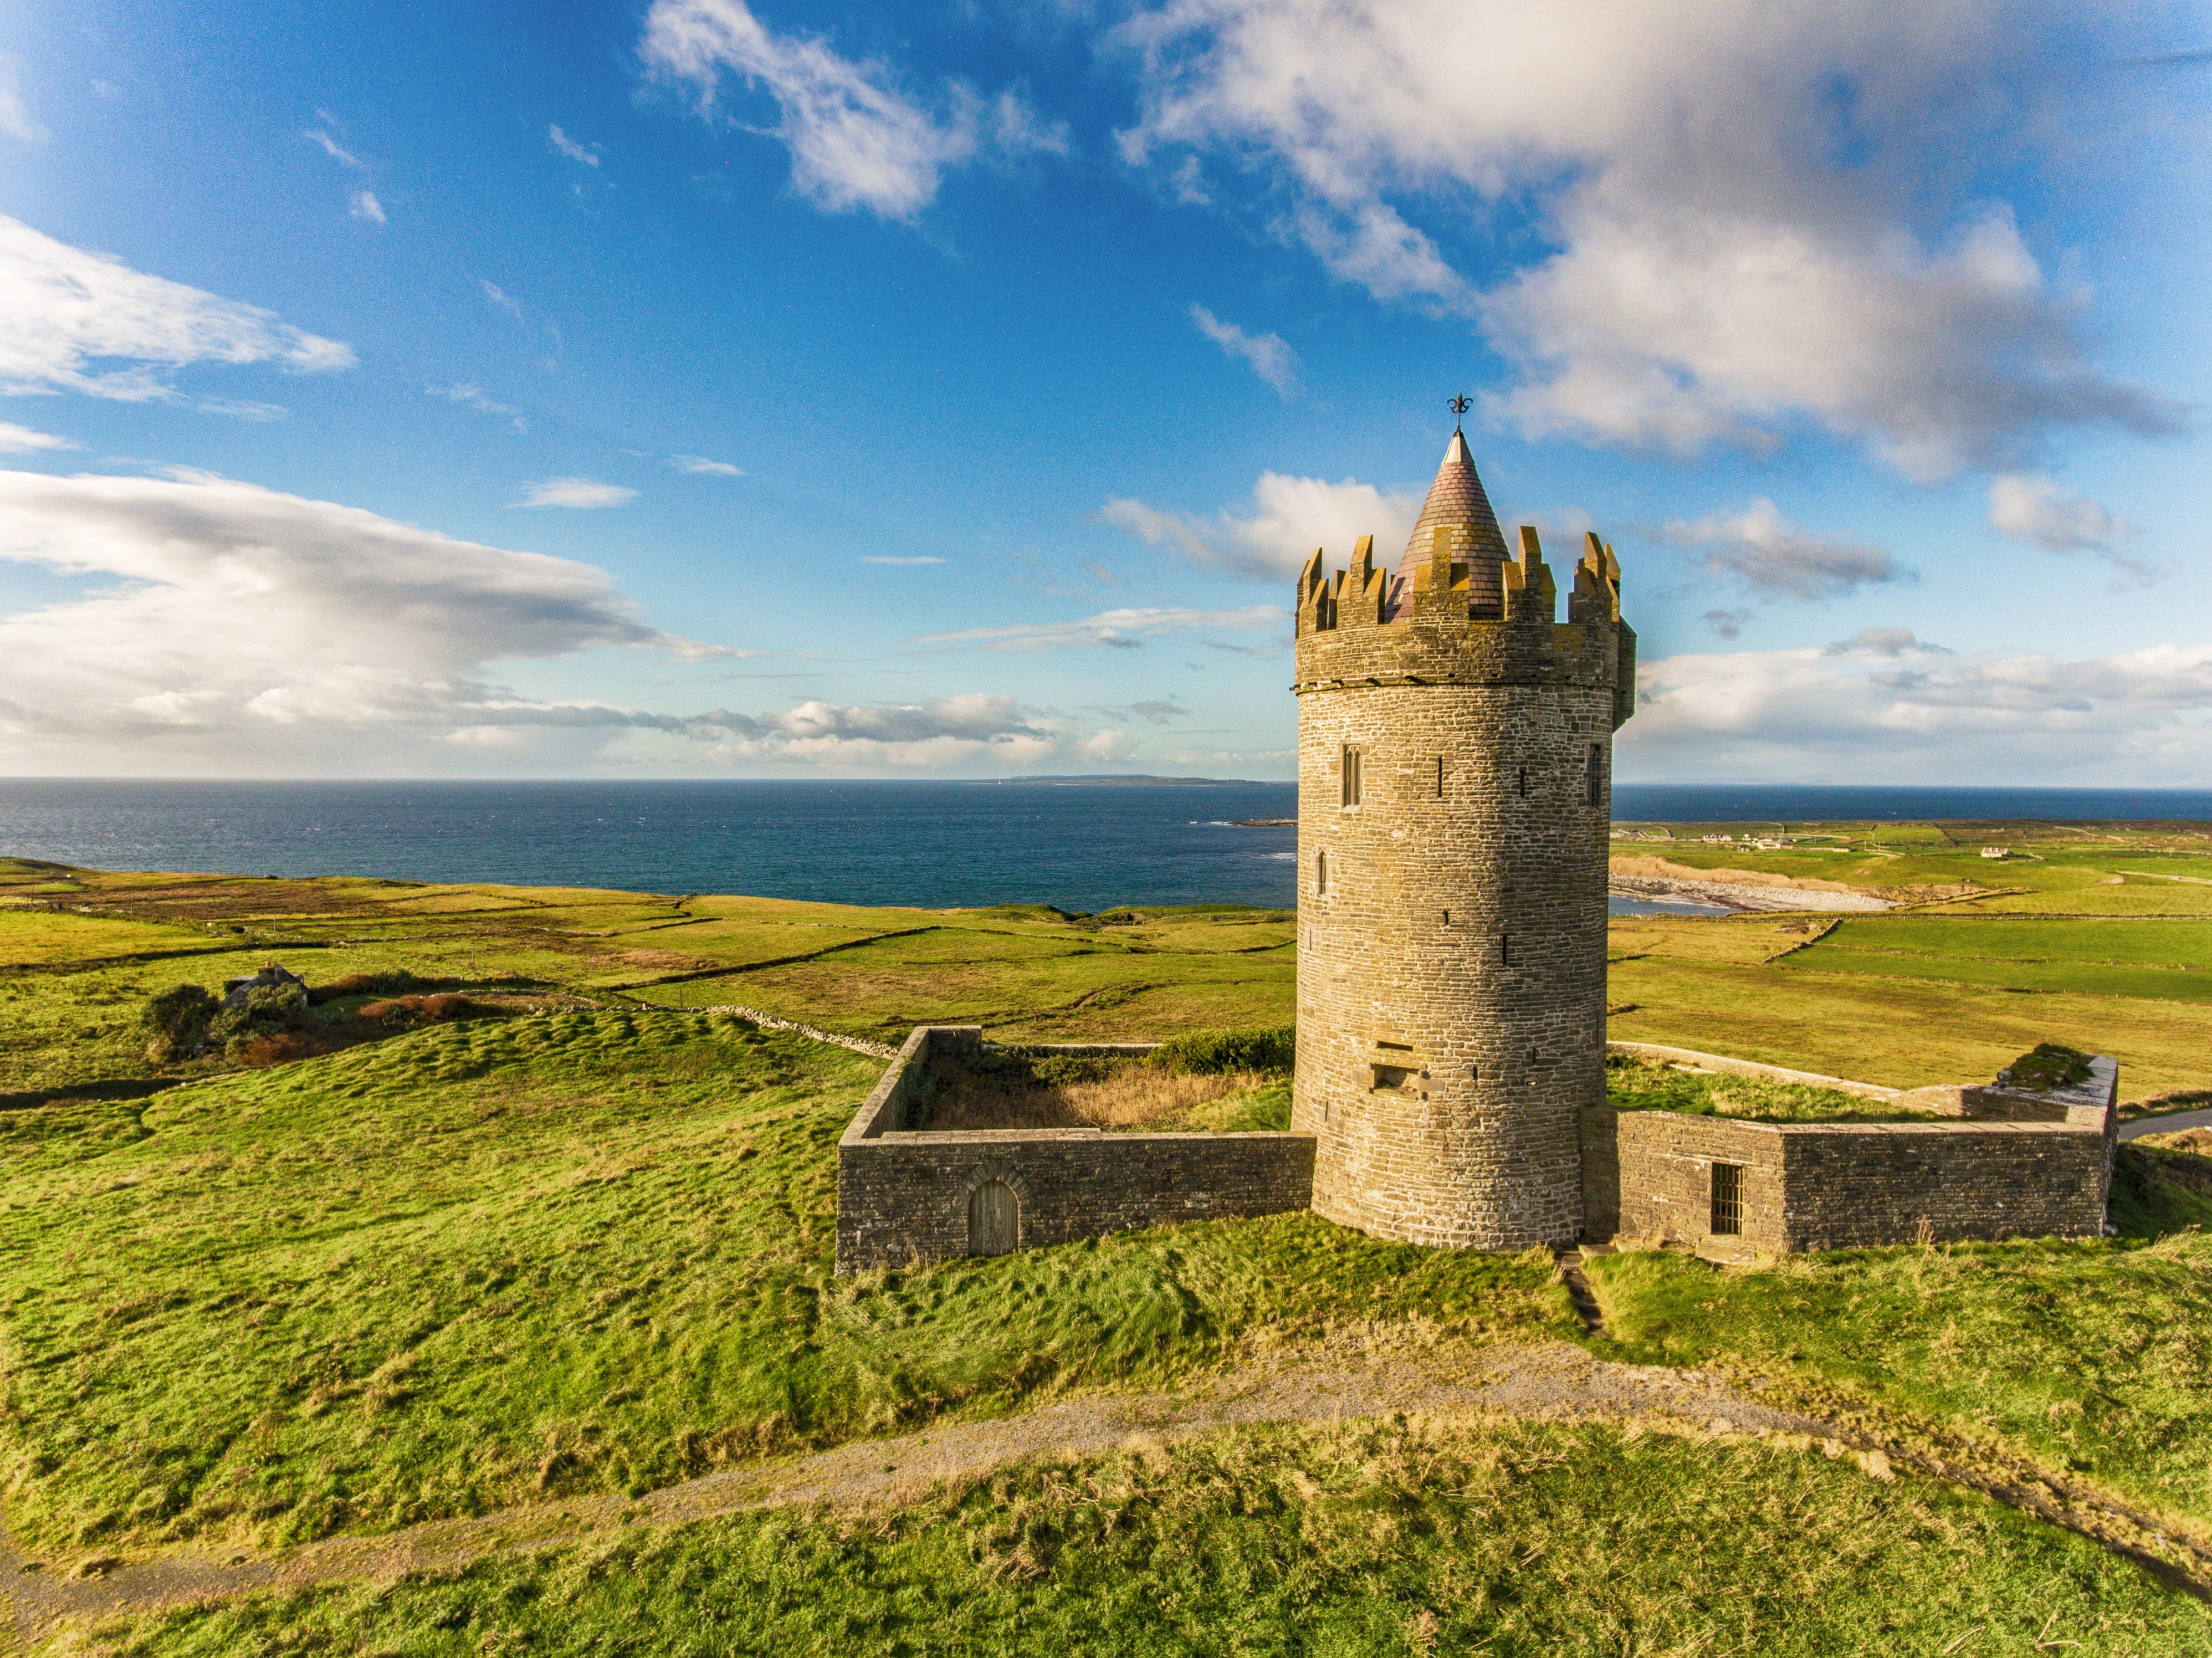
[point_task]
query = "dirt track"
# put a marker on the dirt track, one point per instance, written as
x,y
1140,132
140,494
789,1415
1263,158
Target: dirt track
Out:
x,y
1553,1381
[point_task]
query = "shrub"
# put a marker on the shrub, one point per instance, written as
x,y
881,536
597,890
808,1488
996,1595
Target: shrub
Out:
x,y
400,1012
267,1011
2048,1065
1200,1052
179,1018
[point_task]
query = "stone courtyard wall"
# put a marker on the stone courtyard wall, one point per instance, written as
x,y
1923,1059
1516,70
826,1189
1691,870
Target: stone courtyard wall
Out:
x,y
2011,1164
902,1195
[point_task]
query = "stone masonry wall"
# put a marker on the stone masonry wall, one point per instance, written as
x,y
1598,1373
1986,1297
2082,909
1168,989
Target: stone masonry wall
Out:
x,y
1648,1175
1452,923
903,1196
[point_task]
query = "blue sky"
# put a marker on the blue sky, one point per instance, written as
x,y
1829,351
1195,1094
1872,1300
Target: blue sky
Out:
x,y
953,389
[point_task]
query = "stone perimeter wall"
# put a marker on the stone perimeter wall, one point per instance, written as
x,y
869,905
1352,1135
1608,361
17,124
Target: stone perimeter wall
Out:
x,y
2016,1165
902,1197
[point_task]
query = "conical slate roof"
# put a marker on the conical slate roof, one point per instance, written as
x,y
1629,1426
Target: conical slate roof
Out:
x,y
1455,501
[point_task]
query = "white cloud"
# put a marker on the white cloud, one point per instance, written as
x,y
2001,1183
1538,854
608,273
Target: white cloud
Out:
x,y
14,120
1741,205
64,310
242,409
971,733
587,154
23,440
472,397
1922,715
1775,559
856,140
699,466
337,151
1290,517
583,493
239,628
1884,641
917,559
1270,356
1122,629
2037,511
500,297
366,206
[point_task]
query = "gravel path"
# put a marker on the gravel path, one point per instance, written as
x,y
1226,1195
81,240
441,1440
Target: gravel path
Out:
x,y
1553,1381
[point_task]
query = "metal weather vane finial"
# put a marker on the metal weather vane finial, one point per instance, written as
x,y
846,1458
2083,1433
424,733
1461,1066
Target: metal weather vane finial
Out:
x,y
1459,406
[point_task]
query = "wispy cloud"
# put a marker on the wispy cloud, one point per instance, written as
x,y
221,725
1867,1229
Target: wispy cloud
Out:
x,y
366,206
62,310
1290,517
856,139
23,440
2037,511
699,466
1269,356
242,409
1884,641
1125,629
918,558
1775,559
500,297
335,151
14,118
587,154
472,397
576,492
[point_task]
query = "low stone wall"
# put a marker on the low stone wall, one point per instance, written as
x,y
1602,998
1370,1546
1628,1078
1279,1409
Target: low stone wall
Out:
x,y
2013,1164
906,1196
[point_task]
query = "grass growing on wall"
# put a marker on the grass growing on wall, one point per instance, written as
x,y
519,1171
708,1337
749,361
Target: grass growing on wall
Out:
x,y
1535,1540
584,1251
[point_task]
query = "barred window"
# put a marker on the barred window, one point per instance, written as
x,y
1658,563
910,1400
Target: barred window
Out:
x,y
1728,1199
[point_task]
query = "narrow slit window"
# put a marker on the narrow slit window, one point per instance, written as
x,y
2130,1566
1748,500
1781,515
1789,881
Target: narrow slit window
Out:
x,y
1728,1199
1320,873
1351,775
1594,778
1440,777
1524,780
1506,949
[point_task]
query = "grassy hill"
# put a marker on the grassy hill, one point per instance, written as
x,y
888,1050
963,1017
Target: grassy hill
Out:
x,y
576,1246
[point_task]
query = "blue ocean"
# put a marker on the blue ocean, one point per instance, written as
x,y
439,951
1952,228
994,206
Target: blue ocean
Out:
x,y
1083,847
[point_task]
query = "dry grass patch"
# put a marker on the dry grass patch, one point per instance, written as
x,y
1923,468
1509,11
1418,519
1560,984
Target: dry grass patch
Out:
x,y
1010,1090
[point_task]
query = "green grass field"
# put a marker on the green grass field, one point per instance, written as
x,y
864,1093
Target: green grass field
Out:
x,y
581,1251
1531,1539
584,1249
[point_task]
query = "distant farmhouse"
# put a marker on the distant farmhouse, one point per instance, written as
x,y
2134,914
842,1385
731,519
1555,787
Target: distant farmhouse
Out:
x,y
1454,804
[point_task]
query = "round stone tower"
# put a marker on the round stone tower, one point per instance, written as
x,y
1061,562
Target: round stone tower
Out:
x,y
1454,794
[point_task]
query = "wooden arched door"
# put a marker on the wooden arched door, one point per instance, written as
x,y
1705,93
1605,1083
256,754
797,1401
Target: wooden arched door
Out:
x,y
994,1219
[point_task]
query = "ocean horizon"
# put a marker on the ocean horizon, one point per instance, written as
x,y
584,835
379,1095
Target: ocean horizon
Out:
x,y
935,844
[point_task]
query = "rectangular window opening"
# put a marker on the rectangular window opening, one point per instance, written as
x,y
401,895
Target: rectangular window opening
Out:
x,y
1728,1199
1351,775
1506,949
1440,777
1594,778
1524,780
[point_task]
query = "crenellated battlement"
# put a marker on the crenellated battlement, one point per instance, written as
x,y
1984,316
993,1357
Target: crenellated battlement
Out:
x,y
1461,619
